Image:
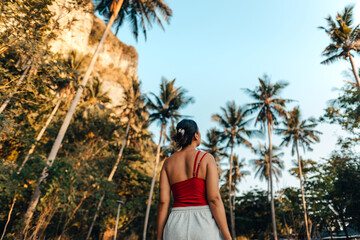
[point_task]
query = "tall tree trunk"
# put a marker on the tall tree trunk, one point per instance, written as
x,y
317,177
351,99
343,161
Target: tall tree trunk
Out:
x,y
111,175
153,181
232,218
268,188
41,133
10,96
355,72
302,192
271,185
55,148
9,217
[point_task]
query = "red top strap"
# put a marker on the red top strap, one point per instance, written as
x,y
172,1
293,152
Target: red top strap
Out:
x,y
195,163
197,171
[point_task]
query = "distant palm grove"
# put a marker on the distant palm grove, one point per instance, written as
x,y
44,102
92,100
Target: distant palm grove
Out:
x,y
75,166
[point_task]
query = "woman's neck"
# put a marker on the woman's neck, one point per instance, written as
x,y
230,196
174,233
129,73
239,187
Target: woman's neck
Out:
x,y
190,147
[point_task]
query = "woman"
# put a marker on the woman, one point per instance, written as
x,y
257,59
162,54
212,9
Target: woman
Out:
x,y
198,212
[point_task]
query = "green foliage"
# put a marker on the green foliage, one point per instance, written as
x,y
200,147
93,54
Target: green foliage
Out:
x,y
252,213
345,109
140,13
343,36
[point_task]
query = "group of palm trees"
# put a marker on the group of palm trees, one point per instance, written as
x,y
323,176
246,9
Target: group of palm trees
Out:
x,y
268,108
269,111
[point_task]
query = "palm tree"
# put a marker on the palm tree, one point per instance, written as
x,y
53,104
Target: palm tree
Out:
x,y
165,108
139,13
237,174
133,108
307,166
268,107
211,144
344,38
262,164
301,132
234,130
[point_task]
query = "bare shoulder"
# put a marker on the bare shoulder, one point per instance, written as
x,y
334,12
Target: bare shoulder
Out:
x,y
168,160
209,158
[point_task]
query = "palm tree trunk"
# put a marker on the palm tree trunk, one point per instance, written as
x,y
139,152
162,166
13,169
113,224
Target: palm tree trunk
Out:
x,y
271,185
121,151
41,133
8,99
153,181
232,218
355,72
55,148
302,192
9,217
110,177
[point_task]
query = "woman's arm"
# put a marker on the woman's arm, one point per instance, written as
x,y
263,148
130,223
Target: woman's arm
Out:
x,y
164,200
214,198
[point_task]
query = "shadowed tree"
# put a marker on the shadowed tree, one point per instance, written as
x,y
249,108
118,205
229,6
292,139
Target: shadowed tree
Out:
x,y
268,106
299,132
65,88
344,38
164,108
262,164
133,108
234,132
141,14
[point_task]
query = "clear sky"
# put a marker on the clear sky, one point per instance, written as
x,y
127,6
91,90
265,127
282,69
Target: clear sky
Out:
x,y
216,48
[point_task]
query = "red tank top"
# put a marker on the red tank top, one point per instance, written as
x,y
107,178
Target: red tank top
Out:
x,y
190,192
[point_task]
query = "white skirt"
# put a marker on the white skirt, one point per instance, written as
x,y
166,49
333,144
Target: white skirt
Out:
x,y
191,223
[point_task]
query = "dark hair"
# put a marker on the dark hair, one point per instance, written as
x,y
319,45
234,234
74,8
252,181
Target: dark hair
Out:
x,y
185,131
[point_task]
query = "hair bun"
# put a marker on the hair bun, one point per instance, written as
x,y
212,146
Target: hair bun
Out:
x,y
185,131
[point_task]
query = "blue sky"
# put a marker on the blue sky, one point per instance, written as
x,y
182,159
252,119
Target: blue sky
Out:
x,y
214,49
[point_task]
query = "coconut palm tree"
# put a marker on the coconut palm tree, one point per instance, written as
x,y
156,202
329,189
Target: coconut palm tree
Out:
x,y
237,174
164,108
268,106
139,13
299,132
307,166
262,164
234,132
133,108
212,146
345,39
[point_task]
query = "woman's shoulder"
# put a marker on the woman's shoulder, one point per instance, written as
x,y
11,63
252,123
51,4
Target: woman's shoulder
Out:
x,y
208,157
171,158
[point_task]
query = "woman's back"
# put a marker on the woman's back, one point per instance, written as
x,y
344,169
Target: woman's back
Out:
x,y
187,190
180,166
